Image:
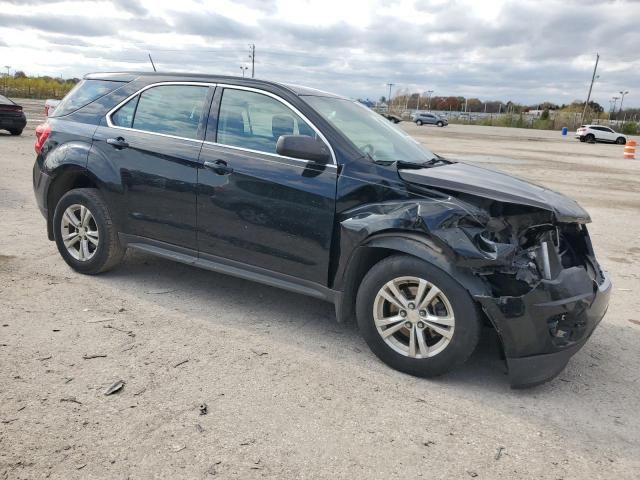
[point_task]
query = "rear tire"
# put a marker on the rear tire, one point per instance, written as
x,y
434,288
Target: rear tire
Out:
x,y
418,122
84,232
621,141
590,138
15,132
448,322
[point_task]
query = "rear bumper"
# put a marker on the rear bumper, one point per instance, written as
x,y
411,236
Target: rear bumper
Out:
x,y
542,330
17,123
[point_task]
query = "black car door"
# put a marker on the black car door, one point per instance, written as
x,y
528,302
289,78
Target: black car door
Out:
x,y
256,207
153,141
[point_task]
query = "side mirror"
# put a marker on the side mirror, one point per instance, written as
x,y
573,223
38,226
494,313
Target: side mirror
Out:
x,y
303,147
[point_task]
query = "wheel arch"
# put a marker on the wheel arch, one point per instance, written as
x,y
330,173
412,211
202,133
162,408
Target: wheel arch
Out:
x,y
67,177
382,245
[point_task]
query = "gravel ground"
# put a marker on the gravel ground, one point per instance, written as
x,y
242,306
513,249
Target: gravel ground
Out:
x,y
289,392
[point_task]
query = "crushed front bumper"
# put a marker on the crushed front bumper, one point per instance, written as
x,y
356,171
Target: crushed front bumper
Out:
x,y
542,329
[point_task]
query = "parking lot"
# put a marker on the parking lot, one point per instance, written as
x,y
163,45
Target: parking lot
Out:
x,y
289,392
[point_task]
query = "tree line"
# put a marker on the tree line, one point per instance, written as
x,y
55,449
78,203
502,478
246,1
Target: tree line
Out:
x,y
20,85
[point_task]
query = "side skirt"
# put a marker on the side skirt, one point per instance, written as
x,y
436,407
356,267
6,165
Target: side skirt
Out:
x,y
229,267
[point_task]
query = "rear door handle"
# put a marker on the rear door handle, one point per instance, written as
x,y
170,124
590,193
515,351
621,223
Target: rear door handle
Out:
x,y
219,166
118,143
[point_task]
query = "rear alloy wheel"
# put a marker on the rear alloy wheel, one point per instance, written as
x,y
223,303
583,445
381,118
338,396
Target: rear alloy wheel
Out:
x,y
84,232
621,140
415,317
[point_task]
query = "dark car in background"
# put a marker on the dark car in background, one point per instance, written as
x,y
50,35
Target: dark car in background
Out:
x,y
314,193
428,118
12,118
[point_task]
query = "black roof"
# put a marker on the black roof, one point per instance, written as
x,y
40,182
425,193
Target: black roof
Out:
x,y
202,77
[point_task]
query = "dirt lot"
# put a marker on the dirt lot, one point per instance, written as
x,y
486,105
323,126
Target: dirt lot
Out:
x,y
290,393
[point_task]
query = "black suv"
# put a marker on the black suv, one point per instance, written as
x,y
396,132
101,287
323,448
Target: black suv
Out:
x,y
317,194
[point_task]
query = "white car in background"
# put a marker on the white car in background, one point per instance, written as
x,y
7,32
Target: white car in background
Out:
x,y
599,133
50,105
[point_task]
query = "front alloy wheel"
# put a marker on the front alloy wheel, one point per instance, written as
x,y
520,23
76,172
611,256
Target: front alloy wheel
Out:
x,y
414,317
80,232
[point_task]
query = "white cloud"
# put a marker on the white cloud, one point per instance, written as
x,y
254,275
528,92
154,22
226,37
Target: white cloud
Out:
x,y
522,50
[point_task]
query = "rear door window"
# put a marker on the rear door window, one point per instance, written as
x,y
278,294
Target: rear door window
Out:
x,y
176,110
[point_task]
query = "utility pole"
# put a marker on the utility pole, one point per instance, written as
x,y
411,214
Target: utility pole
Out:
x,y
389,97
252,56
244,69
622,94
6,81
593,79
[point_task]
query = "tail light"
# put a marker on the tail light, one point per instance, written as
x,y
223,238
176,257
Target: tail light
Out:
x,y
42,133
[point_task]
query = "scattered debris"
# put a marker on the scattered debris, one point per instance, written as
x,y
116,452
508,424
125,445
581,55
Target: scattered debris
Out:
x,y
178,448
248,442
499,453
128,332
140,392
71,400
428,443
45,358
637,322
11,420
80,467
55,330
181,363
204,409
199,428
68,380
22,408
122,309
94,355
258,353
472,474
160,292
116,387
98,320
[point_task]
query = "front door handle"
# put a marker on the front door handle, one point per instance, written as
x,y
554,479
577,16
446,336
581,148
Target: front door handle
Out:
x,y
118,143
219,166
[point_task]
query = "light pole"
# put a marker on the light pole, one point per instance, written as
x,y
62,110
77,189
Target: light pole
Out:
x,y
429,93
244,69
622,94
614,101
389,97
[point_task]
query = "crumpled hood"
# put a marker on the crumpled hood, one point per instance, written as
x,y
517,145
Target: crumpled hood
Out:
x,y
471,179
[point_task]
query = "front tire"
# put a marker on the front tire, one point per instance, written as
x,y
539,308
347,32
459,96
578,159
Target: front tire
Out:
x,y
84,232
415,317
419,122
440,124
621,141
16,133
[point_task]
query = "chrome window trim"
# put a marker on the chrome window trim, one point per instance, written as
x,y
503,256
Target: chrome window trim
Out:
x,y
286,104
110,124
147,87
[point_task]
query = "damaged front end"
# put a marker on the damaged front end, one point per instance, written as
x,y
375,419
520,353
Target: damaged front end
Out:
x,y
529,264
547,293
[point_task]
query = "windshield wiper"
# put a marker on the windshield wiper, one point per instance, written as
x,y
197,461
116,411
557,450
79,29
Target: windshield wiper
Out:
x,y
434,162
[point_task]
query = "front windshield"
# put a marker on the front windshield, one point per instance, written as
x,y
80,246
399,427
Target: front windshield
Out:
x,y
373,134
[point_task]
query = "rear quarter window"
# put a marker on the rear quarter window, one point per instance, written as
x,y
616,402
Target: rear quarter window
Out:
x,y
86,92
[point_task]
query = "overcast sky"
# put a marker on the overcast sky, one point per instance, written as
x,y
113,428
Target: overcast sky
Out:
x,y
526,51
